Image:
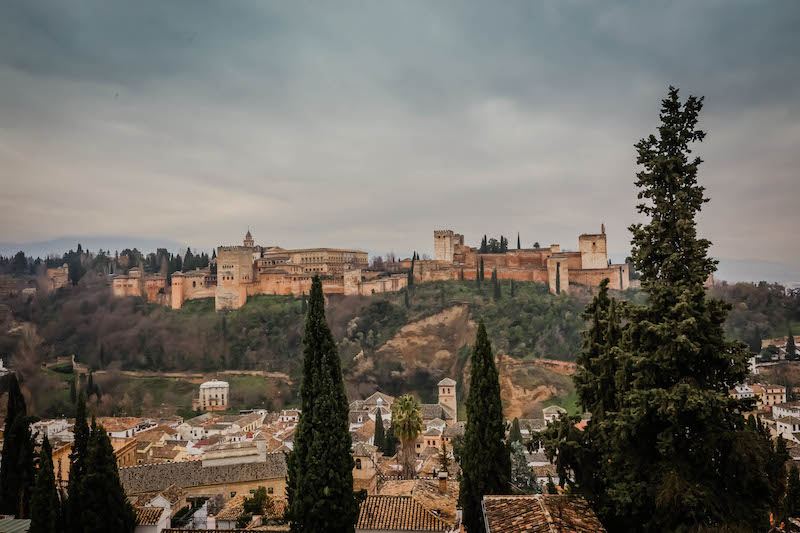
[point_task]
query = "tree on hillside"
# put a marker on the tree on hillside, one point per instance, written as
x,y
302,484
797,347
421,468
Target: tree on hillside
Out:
x,y
77,466
411,271
482,271
484,249
104,504
407,426
379,432
320,484
16,466
45,505
515,435
495,285
485,461
791,350
666,449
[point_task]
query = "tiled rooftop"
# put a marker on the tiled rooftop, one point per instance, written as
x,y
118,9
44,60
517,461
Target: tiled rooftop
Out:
x,y
539,513
397,512
148,516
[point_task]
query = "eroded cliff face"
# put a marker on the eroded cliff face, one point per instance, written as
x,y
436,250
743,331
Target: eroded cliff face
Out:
x,y
424,351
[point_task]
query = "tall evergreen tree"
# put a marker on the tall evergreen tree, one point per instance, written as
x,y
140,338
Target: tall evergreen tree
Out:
x,y
791,349
482,270
667,449
515,434
519,245
411,271
496,285
45,505
104,504
478,275
379,432
485,460
77,467
16,466
390,443
320,485
792,500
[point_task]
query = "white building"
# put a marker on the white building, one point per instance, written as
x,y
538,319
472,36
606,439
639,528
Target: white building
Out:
x,y
214,396
786,409
3,369
553,413
740,392
787,427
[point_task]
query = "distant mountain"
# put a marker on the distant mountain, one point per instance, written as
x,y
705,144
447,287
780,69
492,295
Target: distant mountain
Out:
x,y
733,270
110,242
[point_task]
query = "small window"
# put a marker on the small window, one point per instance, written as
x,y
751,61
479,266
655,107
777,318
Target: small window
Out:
x,y
358,464
271,490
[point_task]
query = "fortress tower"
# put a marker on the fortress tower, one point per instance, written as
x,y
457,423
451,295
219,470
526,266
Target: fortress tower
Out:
x,y
447,395
593,249
248,239
443,245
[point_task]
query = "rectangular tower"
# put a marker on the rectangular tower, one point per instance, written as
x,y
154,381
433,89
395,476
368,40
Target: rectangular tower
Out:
x,y
443,245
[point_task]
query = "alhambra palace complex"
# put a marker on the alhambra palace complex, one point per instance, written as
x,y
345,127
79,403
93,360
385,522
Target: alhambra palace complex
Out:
x,y
251,269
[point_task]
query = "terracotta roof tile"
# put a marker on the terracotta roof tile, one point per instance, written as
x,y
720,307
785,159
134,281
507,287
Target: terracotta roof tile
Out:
x,y
397,512
148,516
540,513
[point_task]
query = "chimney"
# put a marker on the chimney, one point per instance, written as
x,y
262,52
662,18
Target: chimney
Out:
x,y
443,481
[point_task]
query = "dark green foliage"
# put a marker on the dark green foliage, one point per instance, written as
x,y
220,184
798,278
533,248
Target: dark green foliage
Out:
x,y
482,271
320,485
485,460
304,303
558,278
551,487
667,449
259,504
380,439
390,443
484,248
104,506
495,286
515,435
519,246
77,467
411,271
45,504
444,458
792,500
513,288
73,391
16,467
791,349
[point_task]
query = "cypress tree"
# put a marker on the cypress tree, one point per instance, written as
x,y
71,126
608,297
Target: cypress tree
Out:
x,y
303,303
478,275
667,449
16,467
45,505
519,246
513,288
390,443
104,504
379,432
411,272
792,500
485,459
73,391
482,270
791,350
496,284
77,466
515,435
558,278
320,485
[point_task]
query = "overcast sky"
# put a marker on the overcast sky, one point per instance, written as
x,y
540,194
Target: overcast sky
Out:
x,y
369,124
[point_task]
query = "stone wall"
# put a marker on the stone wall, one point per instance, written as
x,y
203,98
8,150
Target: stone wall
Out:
x,y
443,245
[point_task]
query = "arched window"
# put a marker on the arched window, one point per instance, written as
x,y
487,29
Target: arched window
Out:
x,y
194,284
358,464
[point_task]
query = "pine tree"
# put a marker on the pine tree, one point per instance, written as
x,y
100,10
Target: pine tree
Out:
x,y
791,350
485,460
16,467
45,505
104,504
667,449
320,485
379,432
515,435
77,466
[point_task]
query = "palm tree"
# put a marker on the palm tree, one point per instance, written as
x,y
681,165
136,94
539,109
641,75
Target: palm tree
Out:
x,y
407,425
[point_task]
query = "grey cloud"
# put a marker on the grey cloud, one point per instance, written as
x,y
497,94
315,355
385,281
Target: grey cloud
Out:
x,y
369,124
